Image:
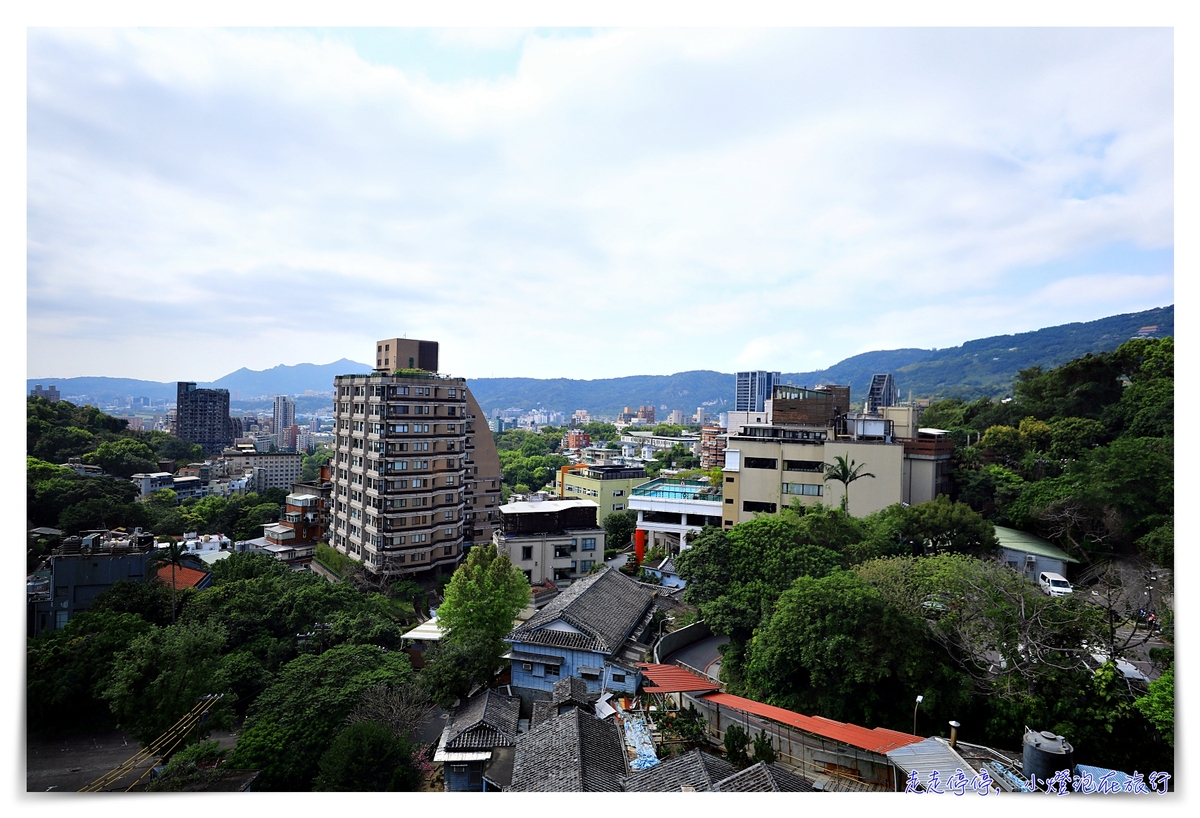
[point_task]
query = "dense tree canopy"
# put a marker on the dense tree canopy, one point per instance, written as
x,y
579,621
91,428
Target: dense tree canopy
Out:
x,y
294,721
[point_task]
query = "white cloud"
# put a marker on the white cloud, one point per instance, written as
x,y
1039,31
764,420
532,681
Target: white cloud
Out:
x,y
633,201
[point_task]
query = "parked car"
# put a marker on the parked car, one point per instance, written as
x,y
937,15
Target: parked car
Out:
x,y
1054,584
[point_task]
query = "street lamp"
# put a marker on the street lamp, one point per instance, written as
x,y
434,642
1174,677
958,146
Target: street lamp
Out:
x,y
918,704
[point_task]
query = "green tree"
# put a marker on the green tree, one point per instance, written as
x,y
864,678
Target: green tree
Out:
x,y
618,528
1003,441
367,757
149,600
482,600
124,457
1158,705
294,721
845,471
162,675
65,671
453,669
833,646
736,741
764,750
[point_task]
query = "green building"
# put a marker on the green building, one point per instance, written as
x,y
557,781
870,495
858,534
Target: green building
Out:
x,y
607,486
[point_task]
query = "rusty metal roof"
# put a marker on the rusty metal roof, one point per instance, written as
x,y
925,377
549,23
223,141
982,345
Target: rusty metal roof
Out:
x,y
877,740
673,679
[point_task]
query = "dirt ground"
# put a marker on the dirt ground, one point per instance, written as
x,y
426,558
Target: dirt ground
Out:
x,y
72,763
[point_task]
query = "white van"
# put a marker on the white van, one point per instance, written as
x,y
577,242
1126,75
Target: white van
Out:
x,y
1054,584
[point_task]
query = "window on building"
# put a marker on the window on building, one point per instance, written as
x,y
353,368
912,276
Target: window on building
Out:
x,y
761,463
526,552
618,507
618,677
589,543
551,670
586,565
754,505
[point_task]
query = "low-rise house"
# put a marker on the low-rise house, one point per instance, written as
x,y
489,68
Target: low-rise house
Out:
x,y
592,630
664,571
476,745
574,752
557,540
1030,555
150,482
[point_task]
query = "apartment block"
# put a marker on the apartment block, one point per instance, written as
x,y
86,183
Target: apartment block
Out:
x,y
416,476
712,445
607,486
202,416
557,540
769,465
283,416
753,389
281,469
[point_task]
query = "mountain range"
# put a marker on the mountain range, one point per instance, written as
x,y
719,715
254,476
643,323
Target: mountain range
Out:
x,y
986,366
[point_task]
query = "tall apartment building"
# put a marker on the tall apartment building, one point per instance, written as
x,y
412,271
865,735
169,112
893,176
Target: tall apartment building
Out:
x,y
712,446
416,476
202,416
283,416
882,392
753,390
50,393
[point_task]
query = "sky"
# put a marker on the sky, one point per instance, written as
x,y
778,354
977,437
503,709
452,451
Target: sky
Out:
x,y
585,202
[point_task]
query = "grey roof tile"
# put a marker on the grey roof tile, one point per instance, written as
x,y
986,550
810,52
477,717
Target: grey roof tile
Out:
x,y
487,719
604,606
574,752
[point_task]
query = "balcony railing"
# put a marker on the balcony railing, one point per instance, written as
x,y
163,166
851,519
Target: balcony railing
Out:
x,y
667,490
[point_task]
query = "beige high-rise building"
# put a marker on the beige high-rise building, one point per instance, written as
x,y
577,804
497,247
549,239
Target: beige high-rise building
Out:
x,y
416,476
770,464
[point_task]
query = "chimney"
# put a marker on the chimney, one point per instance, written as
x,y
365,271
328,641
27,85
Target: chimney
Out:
x,y
954,733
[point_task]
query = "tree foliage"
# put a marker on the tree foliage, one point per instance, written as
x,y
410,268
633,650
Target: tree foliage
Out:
x,y
366,756
162,675
483,598
618,528
294,721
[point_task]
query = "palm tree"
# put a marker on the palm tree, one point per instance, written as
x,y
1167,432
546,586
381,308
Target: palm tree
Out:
x,y
171,555
845,471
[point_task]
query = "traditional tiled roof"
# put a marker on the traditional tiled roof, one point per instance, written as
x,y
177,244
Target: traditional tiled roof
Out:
x,y
694,770
762,777
572,689
574,752
487,719
703,772
604,607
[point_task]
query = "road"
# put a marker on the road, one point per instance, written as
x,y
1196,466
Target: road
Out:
x,y
702,655
70,764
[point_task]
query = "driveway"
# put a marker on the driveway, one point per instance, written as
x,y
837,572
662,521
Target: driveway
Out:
x,y
702,656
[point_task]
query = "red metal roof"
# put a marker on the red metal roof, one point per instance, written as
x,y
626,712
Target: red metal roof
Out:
x,y
877,740
673,679
184,577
